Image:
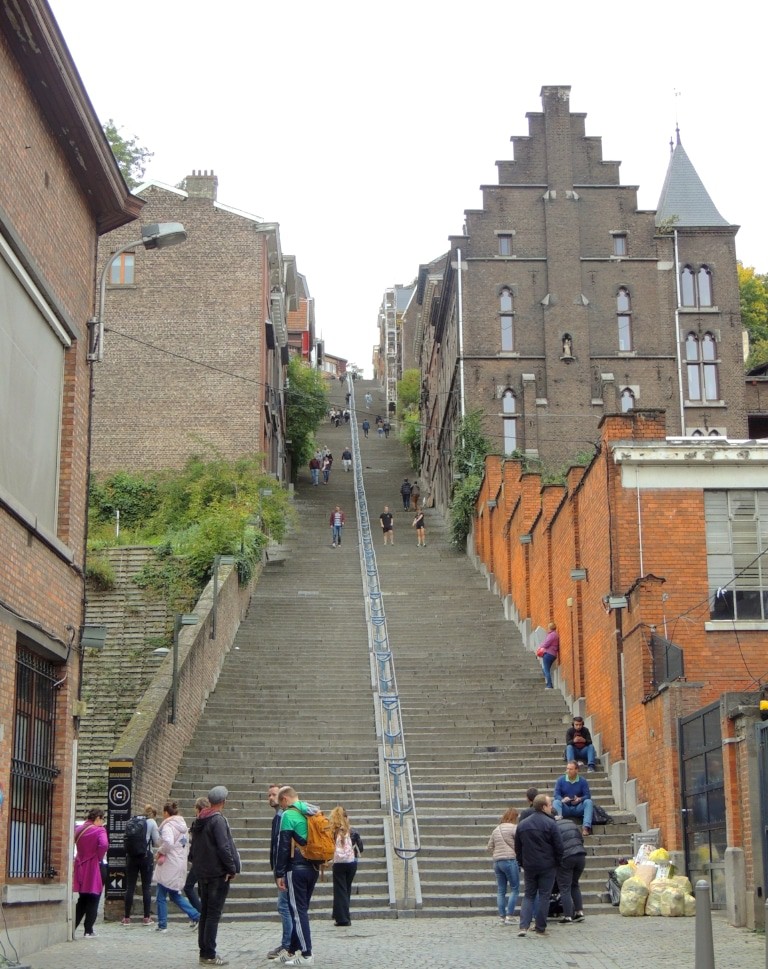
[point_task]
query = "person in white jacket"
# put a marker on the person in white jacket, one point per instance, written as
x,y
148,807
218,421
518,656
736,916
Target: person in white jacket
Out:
x,y
171,867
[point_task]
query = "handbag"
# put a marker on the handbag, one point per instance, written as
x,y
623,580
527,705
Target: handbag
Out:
x,y
540,651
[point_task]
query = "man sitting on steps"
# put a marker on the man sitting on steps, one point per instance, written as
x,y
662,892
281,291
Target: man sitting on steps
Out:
x,y
572,798
578,744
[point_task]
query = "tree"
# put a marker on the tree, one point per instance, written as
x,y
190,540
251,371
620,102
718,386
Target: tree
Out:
x,y
409,389
130,156
753,297
306,404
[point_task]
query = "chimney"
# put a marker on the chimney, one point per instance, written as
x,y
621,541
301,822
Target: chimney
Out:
x,y
201,185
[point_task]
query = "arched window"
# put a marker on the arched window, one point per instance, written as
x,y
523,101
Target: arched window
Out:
x,y
624,319
506,315
626,400
687,287
704,281
509,421
701,364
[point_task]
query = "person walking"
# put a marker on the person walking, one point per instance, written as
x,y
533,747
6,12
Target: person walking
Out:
x,y
366,427
190,885
296,874
346,459
171,866
539,850
386,427
314,470
415,495
283,907
569,871
348,847
215,857
501,844
387,520
327,465
418,524
91,842
549,651
336,521
405,491
141,836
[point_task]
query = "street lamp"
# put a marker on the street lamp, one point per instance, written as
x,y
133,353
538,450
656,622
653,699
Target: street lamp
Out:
x,y
155,236
182,619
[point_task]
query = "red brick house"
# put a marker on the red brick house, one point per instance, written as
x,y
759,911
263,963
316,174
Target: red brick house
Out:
x,y
653,562
60,190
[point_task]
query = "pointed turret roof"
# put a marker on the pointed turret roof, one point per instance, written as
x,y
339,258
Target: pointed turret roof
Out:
x,y
684,200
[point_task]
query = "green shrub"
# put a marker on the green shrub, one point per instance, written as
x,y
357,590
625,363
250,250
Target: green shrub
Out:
x,y
462,510
100,573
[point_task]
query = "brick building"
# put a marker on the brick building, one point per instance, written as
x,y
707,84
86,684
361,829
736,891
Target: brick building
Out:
x,y
301,313
652,562
573,303
196,340
388,360
60,189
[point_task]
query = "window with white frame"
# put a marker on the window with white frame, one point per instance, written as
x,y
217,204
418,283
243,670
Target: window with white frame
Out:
x,y
696,286
624,319
626,400
737,563
701,362
508,406
506,316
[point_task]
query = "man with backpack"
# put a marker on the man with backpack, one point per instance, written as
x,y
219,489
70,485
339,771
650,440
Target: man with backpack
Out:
x,y
140,837
300,855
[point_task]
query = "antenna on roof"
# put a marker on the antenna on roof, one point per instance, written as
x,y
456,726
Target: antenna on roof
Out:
x,y
677,94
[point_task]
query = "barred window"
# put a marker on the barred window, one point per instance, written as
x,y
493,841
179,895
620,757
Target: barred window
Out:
x,y
737,566
33,772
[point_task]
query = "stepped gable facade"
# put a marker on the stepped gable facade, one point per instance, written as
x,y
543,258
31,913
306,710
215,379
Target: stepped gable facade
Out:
x,y
573,304
197,340
61,188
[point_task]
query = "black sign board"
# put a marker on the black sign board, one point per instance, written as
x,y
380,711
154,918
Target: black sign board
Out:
x,y
119,789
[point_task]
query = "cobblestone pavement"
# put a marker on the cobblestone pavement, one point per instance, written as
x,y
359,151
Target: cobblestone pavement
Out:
x,y
601,942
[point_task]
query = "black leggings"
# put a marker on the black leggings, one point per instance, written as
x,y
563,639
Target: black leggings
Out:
x,y
87,906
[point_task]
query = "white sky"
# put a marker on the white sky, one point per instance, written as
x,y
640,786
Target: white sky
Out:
x,y
366,130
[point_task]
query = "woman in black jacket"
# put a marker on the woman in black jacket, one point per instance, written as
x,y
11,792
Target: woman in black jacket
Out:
x,y
569,871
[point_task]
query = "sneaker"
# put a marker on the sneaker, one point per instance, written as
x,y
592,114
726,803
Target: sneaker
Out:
x,y
193,923
148,920
216,961
539,933
126,922
565,919
578,916
276,953
300,960
284,956
161,928
90,935
591,769
509,920
521,933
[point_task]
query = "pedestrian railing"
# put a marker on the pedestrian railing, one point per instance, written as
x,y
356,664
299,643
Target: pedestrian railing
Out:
x,y
397,789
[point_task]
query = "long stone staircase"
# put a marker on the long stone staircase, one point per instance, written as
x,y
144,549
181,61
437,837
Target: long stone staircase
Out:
x,y
294,703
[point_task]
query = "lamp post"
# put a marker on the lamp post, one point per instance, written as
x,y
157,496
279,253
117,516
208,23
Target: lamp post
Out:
x,y
159,235
182,619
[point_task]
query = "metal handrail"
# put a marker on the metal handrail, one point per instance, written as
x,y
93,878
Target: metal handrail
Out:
x,y
399,788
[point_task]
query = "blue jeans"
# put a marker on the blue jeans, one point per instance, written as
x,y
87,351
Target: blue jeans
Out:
x,y
580,753
213,894
336,534
546,664
315,472
301,881
284,911
579,812
163,894
538,888
507,873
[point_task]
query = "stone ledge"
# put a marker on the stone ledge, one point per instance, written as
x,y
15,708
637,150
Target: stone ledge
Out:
x,y
33,894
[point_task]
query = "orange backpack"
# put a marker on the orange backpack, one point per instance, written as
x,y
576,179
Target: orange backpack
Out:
x,y
319,846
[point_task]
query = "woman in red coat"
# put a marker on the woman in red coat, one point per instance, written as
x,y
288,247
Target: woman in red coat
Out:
x,y
91,842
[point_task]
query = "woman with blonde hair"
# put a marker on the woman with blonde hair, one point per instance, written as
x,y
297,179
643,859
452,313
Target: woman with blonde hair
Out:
x,y
502,845
349,845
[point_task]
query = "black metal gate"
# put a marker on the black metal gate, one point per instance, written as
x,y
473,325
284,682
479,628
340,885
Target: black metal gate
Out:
x,y
762,733
703,797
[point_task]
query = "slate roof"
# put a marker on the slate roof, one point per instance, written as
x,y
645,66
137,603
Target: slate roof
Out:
x,y
683,197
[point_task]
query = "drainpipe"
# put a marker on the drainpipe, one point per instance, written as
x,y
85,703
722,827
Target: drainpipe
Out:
x,y
677,340
461,336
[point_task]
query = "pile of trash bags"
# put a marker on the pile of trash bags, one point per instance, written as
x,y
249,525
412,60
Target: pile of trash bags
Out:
x,y
649,886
